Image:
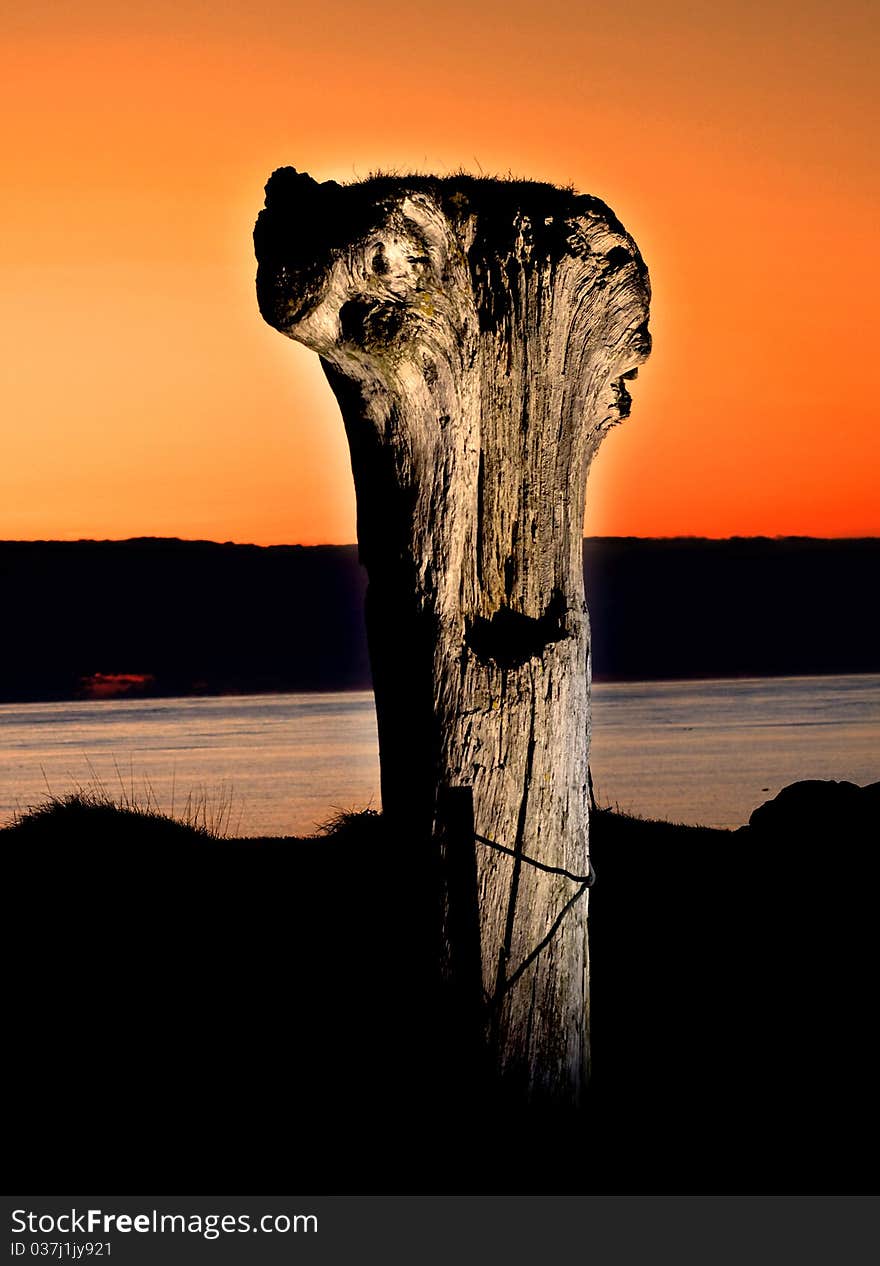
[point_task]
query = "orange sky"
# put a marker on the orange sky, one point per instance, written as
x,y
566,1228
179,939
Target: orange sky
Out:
x,y
142,394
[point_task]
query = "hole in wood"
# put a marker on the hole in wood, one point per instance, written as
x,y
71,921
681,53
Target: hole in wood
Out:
x,y
510,639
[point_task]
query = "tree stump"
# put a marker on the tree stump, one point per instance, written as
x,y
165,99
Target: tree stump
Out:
x,y
478,335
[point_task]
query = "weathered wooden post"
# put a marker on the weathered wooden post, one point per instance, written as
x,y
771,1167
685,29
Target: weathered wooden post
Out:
x,y
477,335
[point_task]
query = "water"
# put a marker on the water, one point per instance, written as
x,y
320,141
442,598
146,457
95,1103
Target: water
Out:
x,y
710,752
279,764
700,751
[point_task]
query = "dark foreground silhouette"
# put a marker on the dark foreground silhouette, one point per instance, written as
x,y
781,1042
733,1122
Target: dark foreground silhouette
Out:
x,y
188,1014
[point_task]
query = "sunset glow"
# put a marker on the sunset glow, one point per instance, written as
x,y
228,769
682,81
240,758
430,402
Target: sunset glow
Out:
x,y
143,395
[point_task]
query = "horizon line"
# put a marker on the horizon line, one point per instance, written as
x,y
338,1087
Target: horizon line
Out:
x,y
196,540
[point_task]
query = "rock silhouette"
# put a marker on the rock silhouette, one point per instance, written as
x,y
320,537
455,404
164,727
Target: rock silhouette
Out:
x,y
820,808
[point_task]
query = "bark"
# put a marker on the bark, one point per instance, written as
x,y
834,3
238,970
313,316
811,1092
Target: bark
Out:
x,y
477,335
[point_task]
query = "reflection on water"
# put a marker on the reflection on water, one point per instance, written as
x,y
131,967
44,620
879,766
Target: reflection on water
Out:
x,y
699,751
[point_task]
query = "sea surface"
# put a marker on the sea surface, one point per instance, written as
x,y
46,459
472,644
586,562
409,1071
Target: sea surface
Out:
x,y
703,752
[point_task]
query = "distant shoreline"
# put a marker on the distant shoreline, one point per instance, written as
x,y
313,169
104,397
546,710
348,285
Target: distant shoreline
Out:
x,y
168,618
